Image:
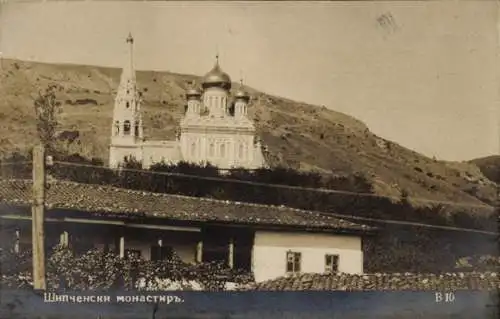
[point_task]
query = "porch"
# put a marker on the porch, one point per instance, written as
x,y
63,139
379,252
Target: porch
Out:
x,y
148,239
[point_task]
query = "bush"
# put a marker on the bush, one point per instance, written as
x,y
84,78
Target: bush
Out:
x,y
97,270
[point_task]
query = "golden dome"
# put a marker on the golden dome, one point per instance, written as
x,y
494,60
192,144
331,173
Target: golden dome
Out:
x,y
216,78
241,93
193,92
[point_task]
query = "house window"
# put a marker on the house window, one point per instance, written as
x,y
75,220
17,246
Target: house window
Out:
x,y
161,252
331,264
126,128
293,260
132,253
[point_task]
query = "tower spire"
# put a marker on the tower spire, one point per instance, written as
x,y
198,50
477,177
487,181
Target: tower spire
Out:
x,y
129,72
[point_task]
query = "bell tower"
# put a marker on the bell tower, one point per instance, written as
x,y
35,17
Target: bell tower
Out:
x,y
241,102
127,128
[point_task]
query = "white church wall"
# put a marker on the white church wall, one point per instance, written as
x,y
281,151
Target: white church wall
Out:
x,y
270,251
118,153
225,150
160,151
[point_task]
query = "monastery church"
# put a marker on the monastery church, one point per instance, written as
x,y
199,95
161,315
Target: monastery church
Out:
x,y
215,127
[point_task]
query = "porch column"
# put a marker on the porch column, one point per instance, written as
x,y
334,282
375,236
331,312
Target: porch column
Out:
x,y
64,239
122,247
16,243
231,253
199,252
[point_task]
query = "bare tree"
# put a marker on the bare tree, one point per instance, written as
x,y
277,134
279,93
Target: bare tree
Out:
x,y
47,109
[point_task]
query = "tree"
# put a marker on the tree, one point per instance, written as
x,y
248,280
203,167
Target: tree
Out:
x,y
47,109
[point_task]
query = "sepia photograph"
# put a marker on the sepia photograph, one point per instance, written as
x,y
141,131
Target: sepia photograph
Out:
x,y
232,159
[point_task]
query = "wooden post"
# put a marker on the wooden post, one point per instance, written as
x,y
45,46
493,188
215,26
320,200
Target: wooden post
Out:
x,y
122,247
16,244
199,252
64,239
37,218
231,253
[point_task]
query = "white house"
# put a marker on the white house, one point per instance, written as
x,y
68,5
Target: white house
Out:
x,y
271,241
215,127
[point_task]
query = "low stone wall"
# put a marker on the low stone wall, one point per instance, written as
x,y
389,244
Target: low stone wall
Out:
x,y
383,282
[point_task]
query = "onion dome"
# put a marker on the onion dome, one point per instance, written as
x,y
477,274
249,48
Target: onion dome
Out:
x,y
216,78
193,93
241,94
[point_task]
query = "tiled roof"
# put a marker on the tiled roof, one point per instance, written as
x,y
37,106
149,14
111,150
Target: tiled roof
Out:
x,y
383,282
112,200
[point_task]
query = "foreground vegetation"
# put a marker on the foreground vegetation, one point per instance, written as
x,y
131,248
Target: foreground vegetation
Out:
x,y
96,270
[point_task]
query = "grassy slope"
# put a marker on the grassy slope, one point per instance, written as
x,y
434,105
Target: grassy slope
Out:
x,y
489,166
296,134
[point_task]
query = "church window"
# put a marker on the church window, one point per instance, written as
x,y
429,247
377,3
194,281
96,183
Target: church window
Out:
x,y
127,104
211,150
136,129
240,151
126,128
245,150
117,127
193,149
222,150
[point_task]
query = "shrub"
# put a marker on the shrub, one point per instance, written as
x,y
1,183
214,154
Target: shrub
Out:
x,y
97,270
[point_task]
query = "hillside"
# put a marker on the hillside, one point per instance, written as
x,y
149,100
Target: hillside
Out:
x,y
296,134
489,166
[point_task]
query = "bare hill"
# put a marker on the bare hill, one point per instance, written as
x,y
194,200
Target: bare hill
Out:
x,y
297,135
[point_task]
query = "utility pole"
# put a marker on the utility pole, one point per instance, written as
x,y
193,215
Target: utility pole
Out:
x,y
38,217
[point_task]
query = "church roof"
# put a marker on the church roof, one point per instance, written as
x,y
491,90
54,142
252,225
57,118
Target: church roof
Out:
x,y
216,77
125,203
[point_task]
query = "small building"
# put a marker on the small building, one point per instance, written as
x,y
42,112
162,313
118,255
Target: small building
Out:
x,y
270,241
215,127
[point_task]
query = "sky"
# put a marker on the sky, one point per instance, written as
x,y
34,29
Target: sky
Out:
x,y
422,74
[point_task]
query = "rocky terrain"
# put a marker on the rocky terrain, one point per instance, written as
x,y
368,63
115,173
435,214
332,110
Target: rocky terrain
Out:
x,y
297,135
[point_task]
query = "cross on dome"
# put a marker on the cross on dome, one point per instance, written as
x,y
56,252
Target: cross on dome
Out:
x,y
130,39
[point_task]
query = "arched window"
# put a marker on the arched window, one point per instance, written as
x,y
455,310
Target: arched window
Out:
x,y
240,151
136,128
117,127
222,150
193,149
126,128
211,150
127,104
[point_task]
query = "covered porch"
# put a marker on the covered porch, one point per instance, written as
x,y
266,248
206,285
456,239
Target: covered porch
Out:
x,y
147,238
